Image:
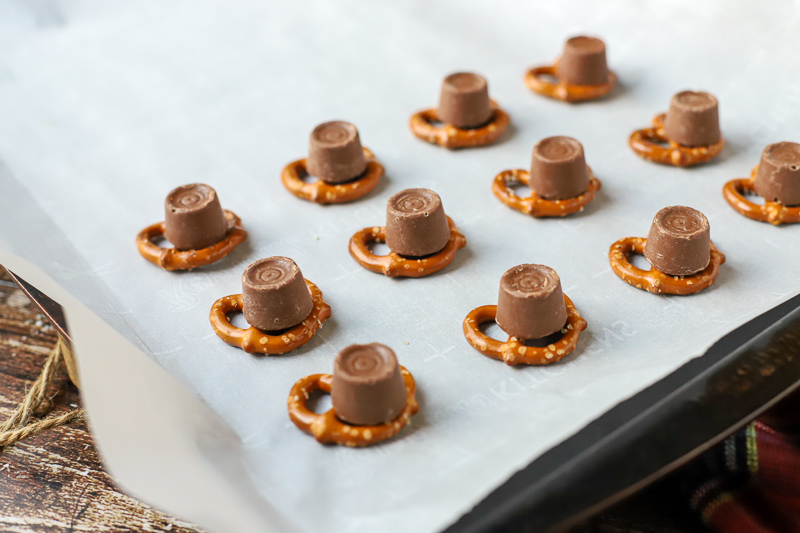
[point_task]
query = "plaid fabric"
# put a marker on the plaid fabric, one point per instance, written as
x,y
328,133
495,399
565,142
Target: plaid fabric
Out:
x,y
751,481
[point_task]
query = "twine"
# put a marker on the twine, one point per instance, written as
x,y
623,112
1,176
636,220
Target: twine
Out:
x,y
19,425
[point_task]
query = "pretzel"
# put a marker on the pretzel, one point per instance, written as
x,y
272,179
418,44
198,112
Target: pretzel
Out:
x,y
330,193
427,126
253,340
563,90
513,351
534,205
647,143
174,259
773,212
396,265
327,427
655,281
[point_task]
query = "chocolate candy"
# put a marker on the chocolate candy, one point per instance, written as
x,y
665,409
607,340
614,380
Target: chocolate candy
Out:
x,y
531,304
679,243
193,217
335,154
778,177
583,62
693,119
415,223
274,294
558,169
464,102
367,386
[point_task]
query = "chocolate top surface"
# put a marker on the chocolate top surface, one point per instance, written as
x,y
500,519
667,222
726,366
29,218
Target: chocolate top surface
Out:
x,y
465,82
783,154
681,221
695,100
366,363
530,280
335,133
270,273
190,197
414,202
558,149
584,45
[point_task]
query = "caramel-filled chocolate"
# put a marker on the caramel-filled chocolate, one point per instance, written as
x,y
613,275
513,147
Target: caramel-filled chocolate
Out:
x,y
778,177
335,154
367,386
464,102
415,223
193,217
583,62
558,169
531,304
693,119
274,294
679,243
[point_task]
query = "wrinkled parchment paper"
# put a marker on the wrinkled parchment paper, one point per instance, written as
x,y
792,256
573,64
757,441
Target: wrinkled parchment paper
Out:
x,y
105,108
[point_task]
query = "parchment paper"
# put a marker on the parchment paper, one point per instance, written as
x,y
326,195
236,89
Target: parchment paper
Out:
x,y
105,108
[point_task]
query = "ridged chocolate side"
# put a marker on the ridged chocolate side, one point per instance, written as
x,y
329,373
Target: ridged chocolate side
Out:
x,y
335,154
275,295
778,177
558,168
464,101
693,119
416,224
367,386
679,243
193,217
531,304
583,62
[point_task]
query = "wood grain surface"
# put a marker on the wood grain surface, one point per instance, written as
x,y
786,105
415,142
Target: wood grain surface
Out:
x,y
55,482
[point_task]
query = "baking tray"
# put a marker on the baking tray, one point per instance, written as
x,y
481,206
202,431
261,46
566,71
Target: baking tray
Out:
x,y
653,432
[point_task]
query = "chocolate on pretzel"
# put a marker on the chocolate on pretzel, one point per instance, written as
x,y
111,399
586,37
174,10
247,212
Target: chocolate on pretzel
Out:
x,y
580,74
688,134
530,306
345,171
776,179
465,118
422,239
284,310
373,398
560,181
196,225
679,248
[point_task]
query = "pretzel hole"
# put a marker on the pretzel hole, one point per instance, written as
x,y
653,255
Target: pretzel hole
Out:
x,y
319,402
161,241
491,329
305,177
519,188
237,320
549,78
545,341
379,248
639,261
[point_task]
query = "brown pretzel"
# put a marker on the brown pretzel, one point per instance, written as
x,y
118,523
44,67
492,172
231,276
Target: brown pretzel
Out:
x,y
648,144
513,351
253,340
657,282
396,265
534,205
330,193
174,259
327,427
427,126
772,212
561,89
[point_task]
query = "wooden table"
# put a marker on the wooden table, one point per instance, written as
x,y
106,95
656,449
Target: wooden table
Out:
x,y
55,481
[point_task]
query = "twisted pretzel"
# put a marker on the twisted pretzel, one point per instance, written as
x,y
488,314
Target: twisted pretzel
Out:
x,y
773,212
330,193
427,126
327,427
174,259
253,340
396,265
534,205
513,351
563,90
647,143
657,282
